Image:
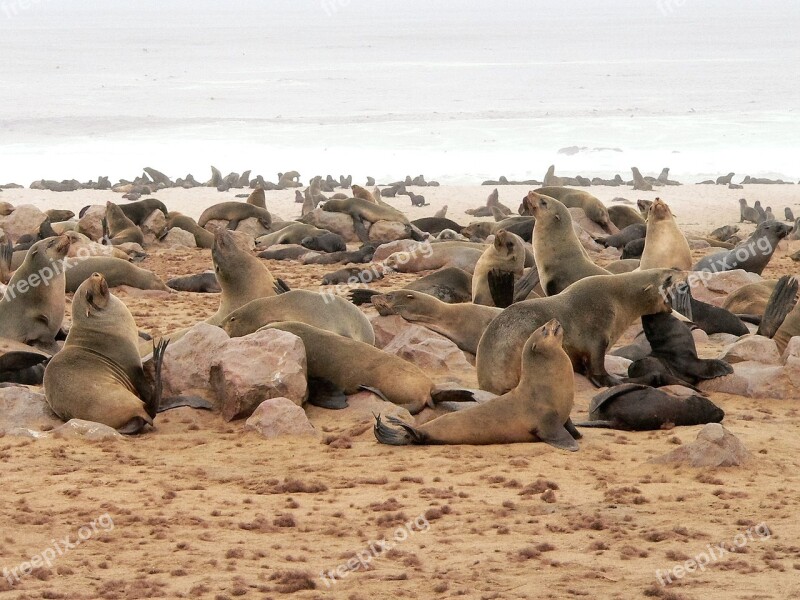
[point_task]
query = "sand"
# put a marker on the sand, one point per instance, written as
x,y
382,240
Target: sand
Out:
x,y
203,509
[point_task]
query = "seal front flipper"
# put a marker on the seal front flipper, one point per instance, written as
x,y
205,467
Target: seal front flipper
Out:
x,y
780,304
501,287
598,424
325,394
525,285
281,287
361,230
681,299
439,395
361,296
403,436
554,433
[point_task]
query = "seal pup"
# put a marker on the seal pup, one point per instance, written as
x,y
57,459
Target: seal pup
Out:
x,y
350,365
537,409
362,255
636,231
202,283
20,363
595,312
121,229
752,255
435,225
768,216
32,306
559,255
504,261
440,214
98,375
711,319
451,285
324,311
762,214
325,241
635,407
787,212
665,247
572,198
724,233
462,323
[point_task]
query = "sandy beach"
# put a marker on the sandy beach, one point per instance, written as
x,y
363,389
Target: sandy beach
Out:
x,y
202,508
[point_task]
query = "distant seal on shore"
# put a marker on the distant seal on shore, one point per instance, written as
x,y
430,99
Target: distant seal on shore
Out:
x,y
115,271
752,255
140,210
330,313
665,246
98,375
595,312
32,307
233,212
639,182
350,366
202,283
503,259
635,407
537,409
559,254
463,323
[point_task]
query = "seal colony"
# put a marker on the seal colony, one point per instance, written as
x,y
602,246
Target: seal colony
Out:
x,y
533,301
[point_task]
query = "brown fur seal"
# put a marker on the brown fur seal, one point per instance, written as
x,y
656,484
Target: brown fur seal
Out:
x,y
639,182
202,283
350,366
140,210
233,212
325,311
752,255
559,254
257,198
537,409
595,311
750,299
504,260
665,247
98,375
463,323
115,272
32,307
427,257
120,228
450,285
202,237
623,216
571,198
492,201
293,233
635,407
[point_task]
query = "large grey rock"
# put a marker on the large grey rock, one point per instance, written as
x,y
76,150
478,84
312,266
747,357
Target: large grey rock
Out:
x,y
187,362
715,287
153,226
332,221
248,370
22,408
91,223
715,446
252,227
86,430
753,379
752,347
25,220
277,417
383,231
179,237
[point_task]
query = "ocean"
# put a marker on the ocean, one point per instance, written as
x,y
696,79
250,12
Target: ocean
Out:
x,y
460,91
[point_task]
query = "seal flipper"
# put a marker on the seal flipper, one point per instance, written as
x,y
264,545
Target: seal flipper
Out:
x,y
323,393
280,286
403,436
179,401
780,303
501,287
375,391
570,427
361,230
554,433
233,224
681,299
439,395
525,285
148,382
135,425
361,296
598,424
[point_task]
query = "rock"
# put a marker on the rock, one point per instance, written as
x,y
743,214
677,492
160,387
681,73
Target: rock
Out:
x,y
20,408
695,244
715,446
384,251
387,328
722,338
580,219
792,349
251,227
244,240
179,237
753,379
248,370
359,413
91,223
586,240
714,287
25,220
617,365
388,231
752,347
275,417
699,336
336,222
187,362
153,226
87,430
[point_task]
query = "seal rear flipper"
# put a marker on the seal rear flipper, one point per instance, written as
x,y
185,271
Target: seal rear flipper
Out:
x,y
416,233
375,391
657,380
525,285
281,287
501,287
712,368
554,433
325,394
135,425
439,395
780,303
754,319
148,385
598,424
403,436
179,401
570,427
233,224
361,296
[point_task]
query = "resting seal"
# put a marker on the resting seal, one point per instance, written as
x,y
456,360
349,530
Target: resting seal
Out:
x,y
571,198
451,285
233,212
537,409
114,270
203,283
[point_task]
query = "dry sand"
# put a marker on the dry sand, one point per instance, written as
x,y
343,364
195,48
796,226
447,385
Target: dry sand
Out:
x,y
202,509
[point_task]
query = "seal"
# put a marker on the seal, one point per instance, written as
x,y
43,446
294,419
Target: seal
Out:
x,y
293,233
622,266
637,231
32,307
435,225
350,365
326,241
462,323
202,237
98,375
492,201
352,275
595,312
635,407
20,363
536,410
233,212
121,229
571,198
364,211
639,182
711,319
362,255
497,270
673,353
257,198
776,323
665,247
286,252
558,253
427,257
324,311
450,285
624,216
750,299
115,272
202,283
139,211
752,255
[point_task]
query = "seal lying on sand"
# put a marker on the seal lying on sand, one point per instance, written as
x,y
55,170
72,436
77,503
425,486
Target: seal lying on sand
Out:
x,y
233,212
115,272
634,407
537,409
202,283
